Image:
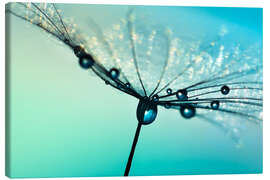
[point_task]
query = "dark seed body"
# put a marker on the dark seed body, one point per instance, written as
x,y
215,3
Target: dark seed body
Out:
x,y
79,51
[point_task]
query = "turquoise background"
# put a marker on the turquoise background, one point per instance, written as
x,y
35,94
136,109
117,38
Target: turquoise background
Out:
x,y
65,122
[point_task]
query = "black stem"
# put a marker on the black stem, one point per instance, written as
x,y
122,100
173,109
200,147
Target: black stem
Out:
x,y
135,140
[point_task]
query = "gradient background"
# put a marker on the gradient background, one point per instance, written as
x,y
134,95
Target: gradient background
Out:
x,y
67,123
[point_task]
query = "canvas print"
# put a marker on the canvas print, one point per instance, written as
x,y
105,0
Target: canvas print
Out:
x,y
123,90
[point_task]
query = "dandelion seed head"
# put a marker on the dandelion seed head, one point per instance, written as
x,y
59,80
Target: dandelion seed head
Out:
x,y
166,62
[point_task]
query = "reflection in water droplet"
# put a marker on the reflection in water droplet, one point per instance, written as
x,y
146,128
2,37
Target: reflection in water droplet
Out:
x,y
149,116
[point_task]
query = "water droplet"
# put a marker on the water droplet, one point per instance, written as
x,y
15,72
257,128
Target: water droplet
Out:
x,y
225,90
79,51
86,62
215,105
181,94
114,73
155,97
127,85
187,111
146,111
169,91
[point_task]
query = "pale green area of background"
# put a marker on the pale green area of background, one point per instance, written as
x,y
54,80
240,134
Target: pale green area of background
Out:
x,y
66,122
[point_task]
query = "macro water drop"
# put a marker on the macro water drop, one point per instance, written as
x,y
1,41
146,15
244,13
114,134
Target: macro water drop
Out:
x,y
114,73
146,111
225,90
169,91
187,111
155,97
181,94
86,62
127,85
215,105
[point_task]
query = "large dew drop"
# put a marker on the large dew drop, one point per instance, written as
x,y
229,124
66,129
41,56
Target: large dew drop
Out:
x,y
146,111
187,111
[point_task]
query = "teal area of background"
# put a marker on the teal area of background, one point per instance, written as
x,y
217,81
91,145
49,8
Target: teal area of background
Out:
x,y
65,122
